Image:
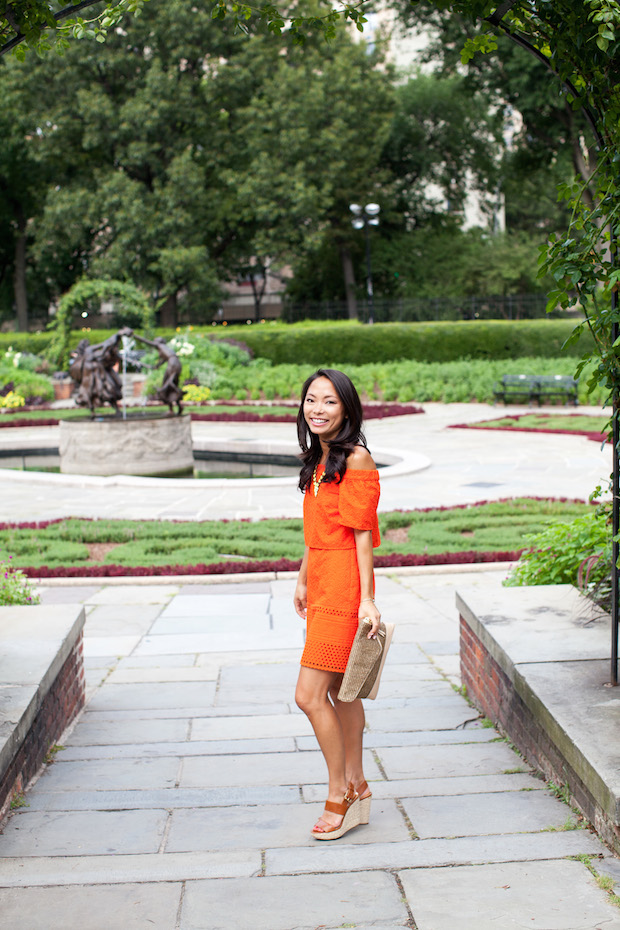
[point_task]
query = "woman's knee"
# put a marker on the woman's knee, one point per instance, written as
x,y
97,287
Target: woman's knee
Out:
x,y
313,686
307,700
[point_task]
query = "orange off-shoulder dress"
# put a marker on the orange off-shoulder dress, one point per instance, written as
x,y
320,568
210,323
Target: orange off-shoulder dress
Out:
x,y
330,519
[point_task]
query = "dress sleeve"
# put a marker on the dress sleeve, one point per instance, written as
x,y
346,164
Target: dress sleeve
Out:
x,y
358,499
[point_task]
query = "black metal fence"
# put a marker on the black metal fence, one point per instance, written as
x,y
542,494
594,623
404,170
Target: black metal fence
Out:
x,y
420,309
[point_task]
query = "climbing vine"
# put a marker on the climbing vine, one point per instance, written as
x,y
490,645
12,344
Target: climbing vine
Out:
x,y
130,300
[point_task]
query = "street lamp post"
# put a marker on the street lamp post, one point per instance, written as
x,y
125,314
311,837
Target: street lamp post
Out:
x,y
363,217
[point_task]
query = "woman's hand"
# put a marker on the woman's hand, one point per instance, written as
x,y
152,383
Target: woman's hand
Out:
x,y
300,599
369,609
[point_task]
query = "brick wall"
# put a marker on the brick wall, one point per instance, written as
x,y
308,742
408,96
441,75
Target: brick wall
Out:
x,y
492,691
59,706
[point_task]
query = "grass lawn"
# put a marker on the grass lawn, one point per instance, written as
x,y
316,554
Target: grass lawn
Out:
x,y
488,527
571,422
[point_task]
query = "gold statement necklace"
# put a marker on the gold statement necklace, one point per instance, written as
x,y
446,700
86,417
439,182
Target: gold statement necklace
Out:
x,y
316,481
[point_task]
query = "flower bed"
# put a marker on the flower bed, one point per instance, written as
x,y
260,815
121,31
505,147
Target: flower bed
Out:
x,y
371,412
260,565
594,435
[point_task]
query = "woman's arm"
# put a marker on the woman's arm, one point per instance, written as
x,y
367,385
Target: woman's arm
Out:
x,y
300,598
365,562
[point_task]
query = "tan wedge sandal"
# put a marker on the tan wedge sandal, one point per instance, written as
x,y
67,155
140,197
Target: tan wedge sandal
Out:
x,y
349,810
364,802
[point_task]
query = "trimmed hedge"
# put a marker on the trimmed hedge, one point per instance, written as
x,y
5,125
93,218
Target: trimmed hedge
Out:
x,y
351,343
329,344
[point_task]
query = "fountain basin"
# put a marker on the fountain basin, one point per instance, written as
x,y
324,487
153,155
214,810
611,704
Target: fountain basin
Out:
x,y
149,446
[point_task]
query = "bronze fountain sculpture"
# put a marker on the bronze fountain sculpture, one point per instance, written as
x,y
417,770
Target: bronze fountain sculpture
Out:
x,y
143,444
94,369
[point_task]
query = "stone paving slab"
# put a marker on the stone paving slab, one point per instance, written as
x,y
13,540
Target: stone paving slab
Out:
x,y
144,697
135,676
214,603
426,854
257,727
133,594
448,761
165,798
247,658
271,826
225,640
212,625
83,833
541,895
239,587
170,713
319,900
120,732
111,773
127,906
254,677
102,646
292,768
181,749
412,715
108,619
397,669
508,812
407,655
157,662
123,869
66,594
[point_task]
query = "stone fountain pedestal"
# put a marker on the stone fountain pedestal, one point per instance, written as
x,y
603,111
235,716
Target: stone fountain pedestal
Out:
x,y
139,445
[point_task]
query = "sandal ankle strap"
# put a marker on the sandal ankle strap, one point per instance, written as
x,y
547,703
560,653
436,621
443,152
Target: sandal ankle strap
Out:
x,y
334,808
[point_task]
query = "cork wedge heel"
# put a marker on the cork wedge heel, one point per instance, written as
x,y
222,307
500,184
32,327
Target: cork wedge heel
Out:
x,y
349,810
364,802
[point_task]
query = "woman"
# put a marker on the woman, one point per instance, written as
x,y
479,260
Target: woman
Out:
x,y
335,586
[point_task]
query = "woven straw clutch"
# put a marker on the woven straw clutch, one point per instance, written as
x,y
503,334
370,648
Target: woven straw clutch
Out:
x,y
366,660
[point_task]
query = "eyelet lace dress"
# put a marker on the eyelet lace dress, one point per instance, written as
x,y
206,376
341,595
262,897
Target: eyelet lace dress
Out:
x,y
330,518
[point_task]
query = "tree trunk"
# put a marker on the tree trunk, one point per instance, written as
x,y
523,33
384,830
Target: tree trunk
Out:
x,y
349,281
19,272
168,311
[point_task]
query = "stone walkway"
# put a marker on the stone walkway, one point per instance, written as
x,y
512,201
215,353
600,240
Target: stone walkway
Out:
x,y
183,798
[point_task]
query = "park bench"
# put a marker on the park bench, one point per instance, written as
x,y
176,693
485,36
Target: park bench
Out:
x,y
537,388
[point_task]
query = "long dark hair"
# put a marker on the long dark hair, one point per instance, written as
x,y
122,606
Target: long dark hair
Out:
x,y
344,443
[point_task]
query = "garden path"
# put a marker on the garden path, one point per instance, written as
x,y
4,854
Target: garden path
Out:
x,y
183,797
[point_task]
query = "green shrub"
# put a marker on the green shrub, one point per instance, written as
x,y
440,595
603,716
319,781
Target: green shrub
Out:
x,y
15,587
556,555
26,382
459,381
351,343
33,343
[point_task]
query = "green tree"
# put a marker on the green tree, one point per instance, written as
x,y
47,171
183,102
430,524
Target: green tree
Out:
x,y
443,141
132,125
303,144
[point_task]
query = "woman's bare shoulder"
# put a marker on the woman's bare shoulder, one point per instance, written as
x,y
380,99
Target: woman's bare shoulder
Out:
x,y
360,459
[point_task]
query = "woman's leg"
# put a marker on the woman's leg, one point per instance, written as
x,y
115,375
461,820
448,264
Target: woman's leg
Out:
x,y
352,723
312,697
